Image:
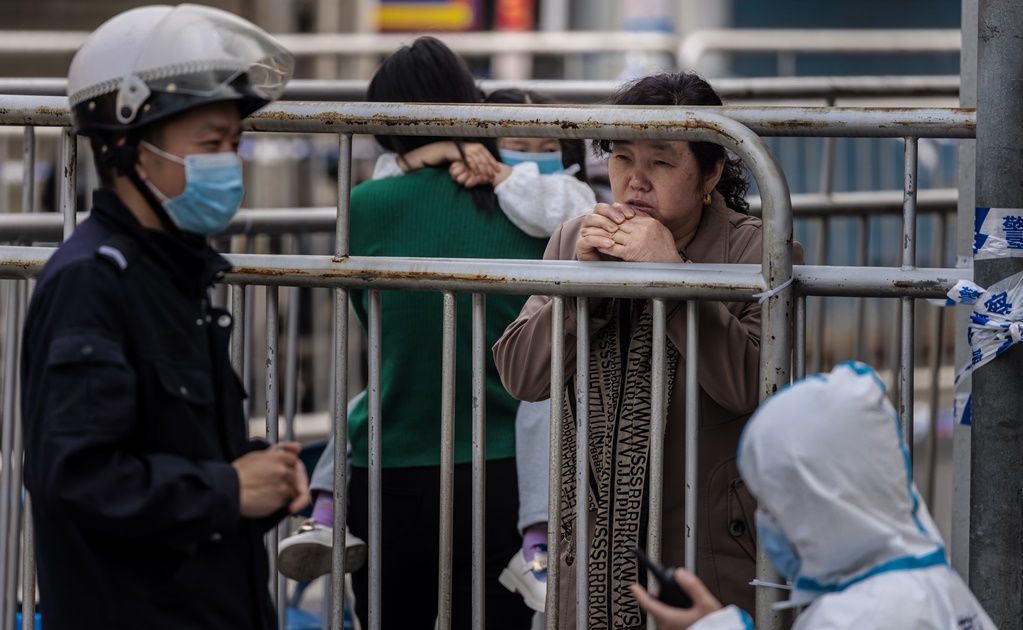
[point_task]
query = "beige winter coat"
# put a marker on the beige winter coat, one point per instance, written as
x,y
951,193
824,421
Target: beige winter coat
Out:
x,y
729,355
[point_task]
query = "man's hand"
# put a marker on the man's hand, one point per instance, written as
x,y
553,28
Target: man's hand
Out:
x,y
671,618
270,480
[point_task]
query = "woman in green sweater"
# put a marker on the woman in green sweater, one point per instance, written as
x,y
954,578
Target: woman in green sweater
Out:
x,y
426,214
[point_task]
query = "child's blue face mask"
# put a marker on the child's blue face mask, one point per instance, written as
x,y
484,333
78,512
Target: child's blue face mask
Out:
x,y
549,163
213,191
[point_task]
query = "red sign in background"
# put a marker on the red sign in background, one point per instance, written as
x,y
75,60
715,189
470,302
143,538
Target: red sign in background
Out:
x,y
514,15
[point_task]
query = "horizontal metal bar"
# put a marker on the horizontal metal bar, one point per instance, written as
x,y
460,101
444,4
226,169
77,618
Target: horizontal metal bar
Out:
x,y
362,44
832,41
730,88
864,203
587,122
39,227
547,277
690,49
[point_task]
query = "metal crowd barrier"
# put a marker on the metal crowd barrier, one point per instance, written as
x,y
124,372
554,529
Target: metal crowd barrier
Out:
x,y
563,280
827,89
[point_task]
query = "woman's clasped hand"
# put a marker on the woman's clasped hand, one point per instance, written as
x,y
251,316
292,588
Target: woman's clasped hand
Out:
x,y
620,232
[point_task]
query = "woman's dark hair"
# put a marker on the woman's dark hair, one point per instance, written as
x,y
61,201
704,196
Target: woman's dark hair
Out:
x,y
427,71
573,151
688,89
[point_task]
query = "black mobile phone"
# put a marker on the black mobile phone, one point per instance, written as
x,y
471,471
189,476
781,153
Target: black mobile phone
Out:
x,y
670,593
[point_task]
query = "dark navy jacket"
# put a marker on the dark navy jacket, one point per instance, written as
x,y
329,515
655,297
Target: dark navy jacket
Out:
x,y
132,415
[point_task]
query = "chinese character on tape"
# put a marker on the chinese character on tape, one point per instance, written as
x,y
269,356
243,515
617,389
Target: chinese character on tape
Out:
x,y
995,325
1012,224
998,233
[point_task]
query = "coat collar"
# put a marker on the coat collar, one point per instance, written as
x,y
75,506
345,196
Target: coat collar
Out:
x,y
191,262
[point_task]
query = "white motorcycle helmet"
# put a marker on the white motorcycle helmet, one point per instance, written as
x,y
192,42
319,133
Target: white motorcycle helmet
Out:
x,y
149,63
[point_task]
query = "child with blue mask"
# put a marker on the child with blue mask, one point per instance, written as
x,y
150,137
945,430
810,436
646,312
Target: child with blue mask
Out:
x,y
539,182
839,517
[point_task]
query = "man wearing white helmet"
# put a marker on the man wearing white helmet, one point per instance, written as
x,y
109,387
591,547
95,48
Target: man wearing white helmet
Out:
x,y
150,503
838,516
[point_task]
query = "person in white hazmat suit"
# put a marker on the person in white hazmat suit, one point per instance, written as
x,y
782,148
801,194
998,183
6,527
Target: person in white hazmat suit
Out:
x,y
839,517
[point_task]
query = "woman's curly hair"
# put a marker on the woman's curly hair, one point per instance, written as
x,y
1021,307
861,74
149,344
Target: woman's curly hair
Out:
x,y
687,89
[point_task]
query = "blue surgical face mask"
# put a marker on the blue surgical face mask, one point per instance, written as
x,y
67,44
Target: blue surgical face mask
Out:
x,y
213,191
779,550
549,163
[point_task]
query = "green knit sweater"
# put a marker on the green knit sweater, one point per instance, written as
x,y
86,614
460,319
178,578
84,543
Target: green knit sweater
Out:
x,y
424,214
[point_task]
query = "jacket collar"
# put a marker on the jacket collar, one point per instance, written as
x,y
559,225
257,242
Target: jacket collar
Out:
x,y
189,260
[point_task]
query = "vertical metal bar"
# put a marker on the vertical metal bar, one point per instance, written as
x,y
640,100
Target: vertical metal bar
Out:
x,y
908,328
344,188
582,462
9,367
340,429
376,518
10,477
4,188
291,353
28,171
860,311
273,436
799,343
69,183
827,186
447,464
692,428
775,334
658,407
936,352
17,491
820,258
479,457
28,579
894,352
247,334
551,608
827,180
238,332
964,226
657,424
937,349
340,403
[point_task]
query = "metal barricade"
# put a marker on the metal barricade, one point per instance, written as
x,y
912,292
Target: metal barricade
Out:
x,y
828,89
341,272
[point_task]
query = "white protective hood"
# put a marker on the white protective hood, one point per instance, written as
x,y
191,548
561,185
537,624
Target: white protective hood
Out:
x,y
826,458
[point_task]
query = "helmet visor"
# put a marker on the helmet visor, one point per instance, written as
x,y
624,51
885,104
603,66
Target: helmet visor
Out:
x,y
202,51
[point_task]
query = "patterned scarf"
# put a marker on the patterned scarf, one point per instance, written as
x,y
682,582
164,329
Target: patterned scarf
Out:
x,y
619,406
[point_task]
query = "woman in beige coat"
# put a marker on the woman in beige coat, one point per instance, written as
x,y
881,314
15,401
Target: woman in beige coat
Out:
x,y
675,202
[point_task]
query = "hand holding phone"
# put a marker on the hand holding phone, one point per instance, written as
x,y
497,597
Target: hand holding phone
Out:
x,y
670,593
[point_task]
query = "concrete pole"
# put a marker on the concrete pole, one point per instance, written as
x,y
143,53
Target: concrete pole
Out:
x,y
693,15
554,15
513,16
595,15
996,480
960,547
